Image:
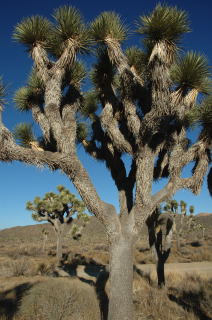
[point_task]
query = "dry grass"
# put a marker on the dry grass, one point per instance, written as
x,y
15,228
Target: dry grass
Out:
x,y
23,264
56,299
185,298
41,298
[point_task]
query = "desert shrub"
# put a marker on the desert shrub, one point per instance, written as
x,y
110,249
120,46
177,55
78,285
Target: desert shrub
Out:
x,y
44,269
25,250
19,267
55,299
155,304
195,293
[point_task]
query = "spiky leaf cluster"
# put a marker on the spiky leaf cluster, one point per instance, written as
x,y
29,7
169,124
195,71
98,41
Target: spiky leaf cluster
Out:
x,y
2,91
33,30
69,26
75,74
32,93
90,104
206,111
55,206
137,59
82,131
171,205
22,99
183,206
164,23
23,133
192,71
34,81
103,73
108,25
201,114
191,209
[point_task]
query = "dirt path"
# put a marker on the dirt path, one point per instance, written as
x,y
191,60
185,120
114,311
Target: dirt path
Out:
x,y
202,268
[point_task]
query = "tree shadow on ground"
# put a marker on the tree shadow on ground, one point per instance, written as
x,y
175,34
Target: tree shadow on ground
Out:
x,y
101,274
101,292
10,300
190,301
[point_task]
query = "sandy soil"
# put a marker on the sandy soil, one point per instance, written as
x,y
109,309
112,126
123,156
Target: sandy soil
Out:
x,y
202,268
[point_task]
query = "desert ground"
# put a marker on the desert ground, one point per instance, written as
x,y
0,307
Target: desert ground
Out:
x,y
28,272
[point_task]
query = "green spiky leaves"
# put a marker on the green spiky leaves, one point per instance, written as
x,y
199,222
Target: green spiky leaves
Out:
x,y
205,112
108,25
90,104
69,25
164,23
70,22
82,131
136,59
2,92
56,205
33,30
75,74
23,134
31,94
22,99
192,71
103,73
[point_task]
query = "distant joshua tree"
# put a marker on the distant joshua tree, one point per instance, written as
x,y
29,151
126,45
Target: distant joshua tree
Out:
x,y
191,215
57,209
160,228
45,234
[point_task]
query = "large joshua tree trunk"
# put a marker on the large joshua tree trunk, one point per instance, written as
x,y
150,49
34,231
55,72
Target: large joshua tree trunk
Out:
x,y
121,278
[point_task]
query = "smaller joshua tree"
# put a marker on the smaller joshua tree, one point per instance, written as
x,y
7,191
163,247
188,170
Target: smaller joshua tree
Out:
x,y
160,227
58,209
45,234
171,206
191,216
76,230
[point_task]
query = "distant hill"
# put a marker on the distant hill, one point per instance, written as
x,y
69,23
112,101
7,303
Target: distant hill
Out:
x,y
93,232
203,214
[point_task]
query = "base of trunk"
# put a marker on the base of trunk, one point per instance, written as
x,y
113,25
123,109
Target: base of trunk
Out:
x,y
121,280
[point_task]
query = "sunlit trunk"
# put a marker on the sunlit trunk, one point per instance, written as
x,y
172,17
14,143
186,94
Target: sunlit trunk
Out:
x,y
121,279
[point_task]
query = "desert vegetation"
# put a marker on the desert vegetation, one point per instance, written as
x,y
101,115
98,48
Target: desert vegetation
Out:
x,y
25,270
138,110
58,210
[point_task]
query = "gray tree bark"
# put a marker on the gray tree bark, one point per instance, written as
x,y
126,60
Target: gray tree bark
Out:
x,y
121,279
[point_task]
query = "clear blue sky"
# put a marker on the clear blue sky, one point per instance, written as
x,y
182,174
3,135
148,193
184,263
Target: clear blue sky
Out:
x,y
19,182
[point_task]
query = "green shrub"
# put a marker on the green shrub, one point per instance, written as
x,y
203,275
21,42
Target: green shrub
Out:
x,y
56,299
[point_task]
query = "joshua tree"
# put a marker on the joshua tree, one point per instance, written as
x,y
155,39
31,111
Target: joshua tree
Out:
x,y
76,230
171,206
160,227
141,104
58,209
191,211
45,234
180,227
